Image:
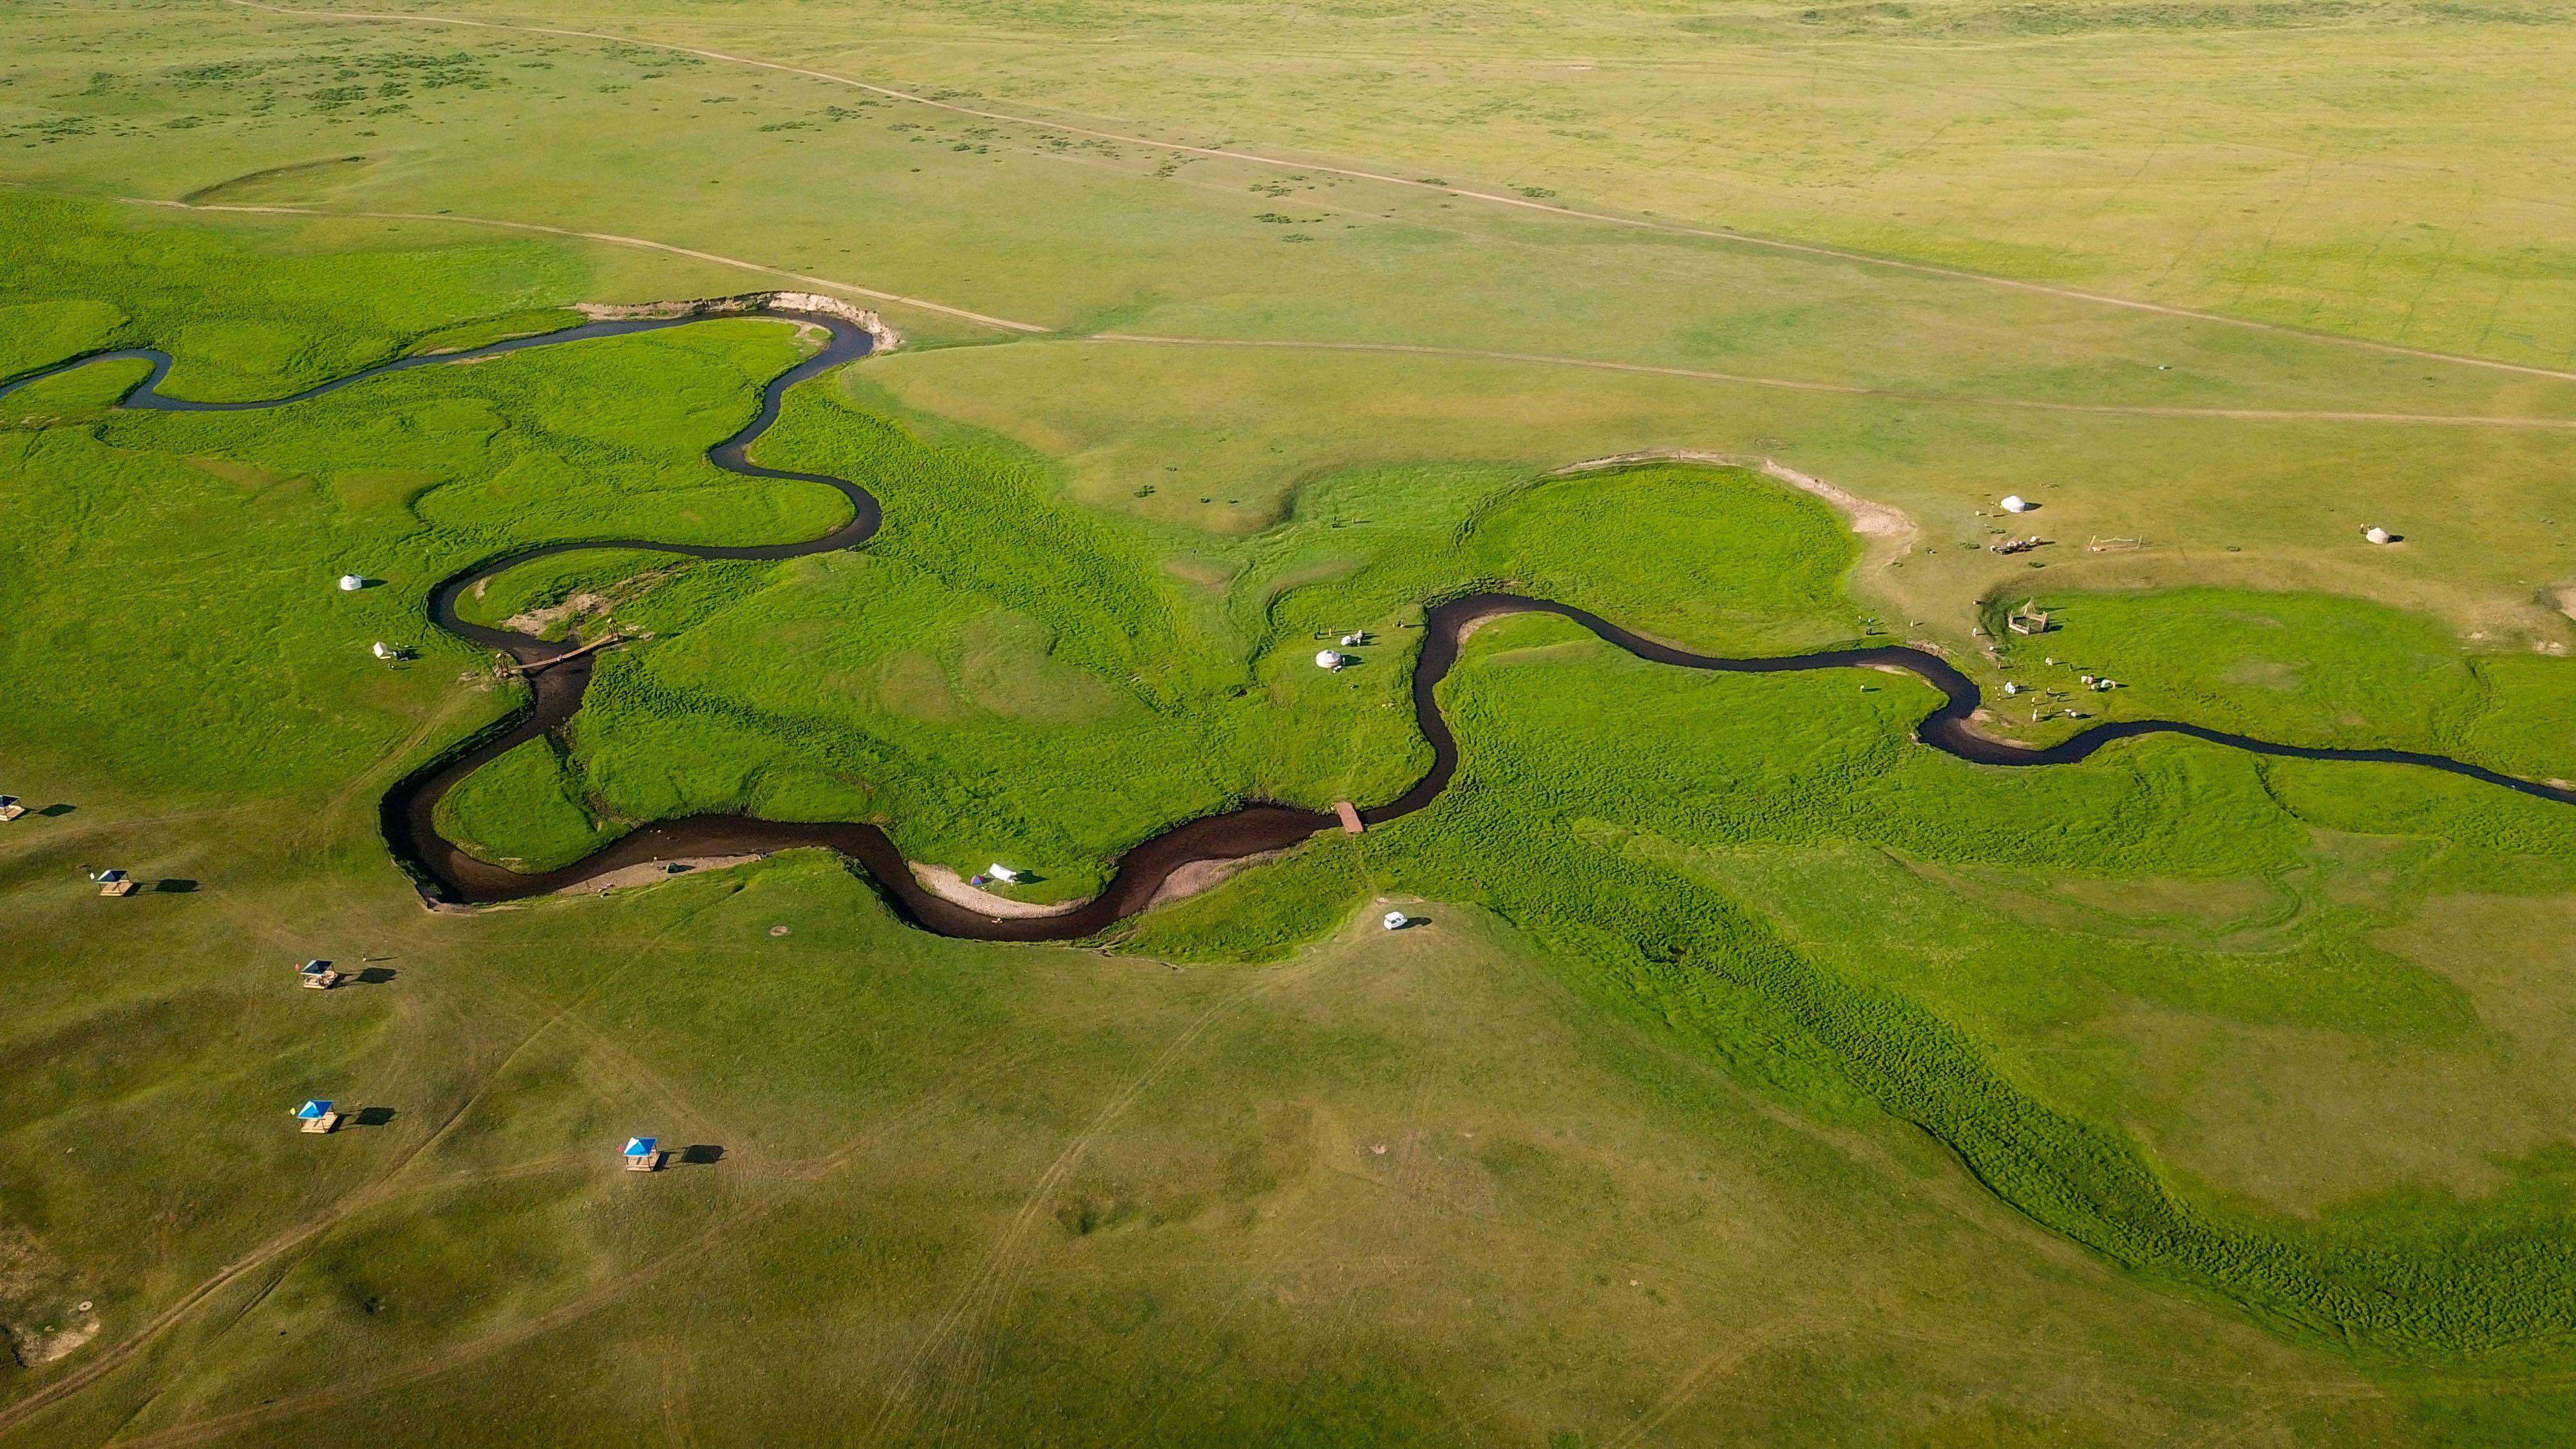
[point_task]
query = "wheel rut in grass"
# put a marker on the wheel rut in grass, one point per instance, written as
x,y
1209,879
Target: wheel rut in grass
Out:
x,y
559,673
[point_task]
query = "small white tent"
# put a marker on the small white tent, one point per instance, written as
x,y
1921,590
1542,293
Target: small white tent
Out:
x,y
351,583
1003,873
2015,503
1327,659
1395,921
386,651
2375,534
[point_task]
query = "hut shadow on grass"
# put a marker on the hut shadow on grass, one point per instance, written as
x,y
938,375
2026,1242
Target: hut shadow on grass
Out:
x,y
371,1117
175,885
374,976
703,1154
56,812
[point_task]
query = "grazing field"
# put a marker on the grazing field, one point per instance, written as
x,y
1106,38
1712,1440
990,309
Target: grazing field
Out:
x,y
1746,1072
2311,668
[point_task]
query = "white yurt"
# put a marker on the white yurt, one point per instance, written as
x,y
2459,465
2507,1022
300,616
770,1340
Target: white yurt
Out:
x,y
351,583
2375,534
1327,659
2015,503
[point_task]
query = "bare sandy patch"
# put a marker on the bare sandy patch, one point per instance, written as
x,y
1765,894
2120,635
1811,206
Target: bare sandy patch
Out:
x,y
948,885
648,871
46,1348
537,621
887,338
1206,875
1885,526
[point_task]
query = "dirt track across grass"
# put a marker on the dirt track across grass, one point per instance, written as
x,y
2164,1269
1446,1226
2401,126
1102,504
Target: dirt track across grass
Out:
x,y
1522,203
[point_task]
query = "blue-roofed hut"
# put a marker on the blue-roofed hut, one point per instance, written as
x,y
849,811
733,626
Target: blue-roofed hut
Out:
x,y
642,1156
317,1116
10,809
318,975
114,883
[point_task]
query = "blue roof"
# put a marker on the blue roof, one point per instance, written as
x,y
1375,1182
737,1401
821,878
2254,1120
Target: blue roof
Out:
x,y
317,1108
639,1146
111,877
314,968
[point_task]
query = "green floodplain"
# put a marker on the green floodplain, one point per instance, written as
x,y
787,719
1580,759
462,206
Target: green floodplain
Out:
x,y
1753,1074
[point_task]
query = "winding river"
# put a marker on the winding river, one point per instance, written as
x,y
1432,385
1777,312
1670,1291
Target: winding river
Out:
x,y
558,676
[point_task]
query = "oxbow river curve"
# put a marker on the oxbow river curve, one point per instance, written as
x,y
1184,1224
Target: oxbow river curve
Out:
x,y
558,675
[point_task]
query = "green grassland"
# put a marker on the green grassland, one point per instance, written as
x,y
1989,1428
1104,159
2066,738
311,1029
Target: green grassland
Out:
x,y
249,325
1216,1252
524,810
233,527
1754,1076
1085,235
2416,1268
1011,632
2364,168
2309,669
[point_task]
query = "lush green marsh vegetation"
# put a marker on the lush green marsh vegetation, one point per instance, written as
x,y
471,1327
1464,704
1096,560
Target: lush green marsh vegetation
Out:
x,y
1006,677
232,527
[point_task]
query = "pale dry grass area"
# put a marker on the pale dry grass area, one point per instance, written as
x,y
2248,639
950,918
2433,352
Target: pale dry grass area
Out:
x,y
2376,170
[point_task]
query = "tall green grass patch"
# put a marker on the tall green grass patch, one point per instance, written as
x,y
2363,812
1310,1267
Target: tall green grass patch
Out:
x,y
244,322
524,810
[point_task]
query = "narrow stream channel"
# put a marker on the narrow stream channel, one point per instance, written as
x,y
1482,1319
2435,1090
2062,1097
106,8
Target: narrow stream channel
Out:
x,y
446,874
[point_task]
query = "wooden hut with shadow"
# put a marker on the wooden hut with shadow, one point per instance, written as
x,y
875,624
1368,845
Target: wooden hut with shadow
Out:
x,y
318,975
115,883
642,1155
10,809
316,1116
